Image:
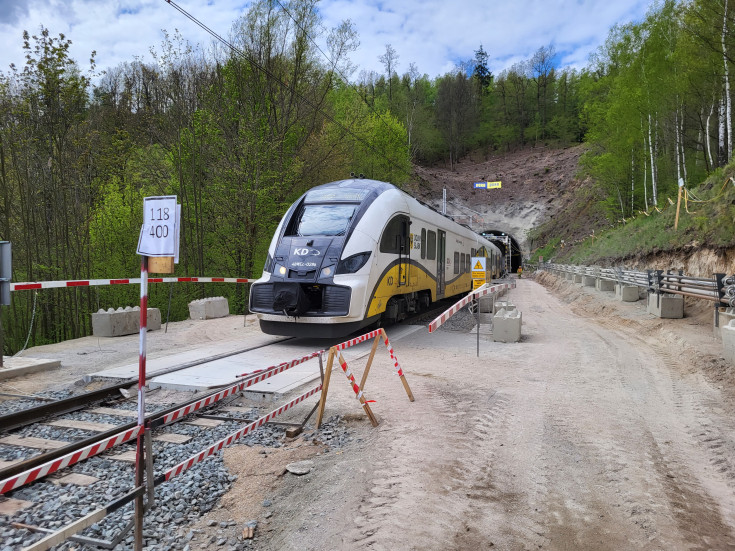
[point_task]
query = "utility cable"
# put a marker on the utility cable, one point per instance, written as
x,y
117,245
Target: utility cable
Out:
x,y
336,69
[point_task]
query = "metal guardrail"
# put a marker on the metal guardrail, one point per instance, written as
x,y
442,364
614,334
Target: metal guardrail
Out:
x,y
719,289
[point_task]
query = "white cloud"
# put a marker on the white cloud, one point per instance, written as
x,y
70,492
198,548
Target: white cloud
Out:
x,y
433,34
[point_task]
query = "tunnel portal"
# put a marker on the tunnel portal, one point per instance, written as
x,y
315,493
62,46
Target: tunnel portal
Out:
x,y
498,237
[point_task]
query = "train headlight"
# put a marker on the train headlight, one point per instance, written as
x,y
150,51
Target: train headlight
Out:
x,y
280,269
329,270
352,263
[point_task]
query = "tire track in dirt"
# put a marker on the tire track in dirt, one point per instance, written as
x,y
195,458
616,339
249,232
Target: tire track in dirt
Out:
x,y
446,485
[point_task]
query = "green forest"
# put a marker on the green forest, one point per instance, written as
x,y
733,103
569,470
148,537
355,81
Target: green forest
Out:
x,y
238,132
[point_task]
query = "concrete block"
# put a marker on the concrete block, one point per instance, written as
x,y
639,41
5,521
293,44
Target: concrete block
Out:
x,y
666,306
501,304
728,342
577,278
209,308
589,281
725,317
626,293
487,304
604,285
507,326
115,323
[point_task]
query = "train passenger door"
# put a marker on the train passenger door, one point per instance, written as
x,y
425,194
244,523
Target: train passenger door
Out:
x,y
395,240
441,254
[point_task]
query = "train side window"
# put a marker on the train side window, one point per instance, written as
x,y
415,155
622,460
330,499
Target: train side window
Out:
x,y
456,263
462,263
431,245
395,235
474,252
423,242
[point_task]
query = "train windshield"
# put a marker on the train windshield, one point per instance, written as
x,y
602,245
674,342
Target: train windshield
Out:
x,y
323,219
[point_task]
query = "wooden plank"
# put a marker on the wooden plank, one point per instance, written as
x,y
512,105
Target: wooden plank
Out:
x,y
75,479
127,457
237,409
209,423
81,425
117,412
325,388
11,506
172,438
33,442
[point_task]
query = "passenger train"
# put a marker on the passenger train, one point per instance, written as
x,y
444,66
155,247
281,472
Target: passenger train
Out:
x,y
355,252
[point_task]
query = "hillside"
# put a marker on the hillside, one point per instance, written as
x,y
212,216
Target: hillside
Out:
x,y
537,184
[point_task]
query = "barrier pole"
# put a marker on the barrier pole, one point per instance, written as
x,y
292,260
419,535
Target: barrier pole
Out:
x,y
325,388
358,391
398,367
139,455
477,313
369,362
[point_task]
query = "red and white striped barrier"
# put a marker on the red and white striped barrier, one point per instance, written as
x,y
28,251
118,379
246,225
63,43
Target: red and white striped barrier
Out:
x,y
34,474
201,456
368,336
350,377
252,379
482,291
29,285
356,340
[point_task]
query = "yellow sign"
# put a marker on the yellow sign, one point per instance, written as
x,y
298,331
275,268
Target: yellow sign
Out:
x,y
477,283
479,267
487,185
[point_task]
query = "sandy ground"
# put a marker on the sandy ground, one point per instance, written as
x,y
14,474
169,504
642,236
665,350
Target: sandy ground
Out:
x,y
604,428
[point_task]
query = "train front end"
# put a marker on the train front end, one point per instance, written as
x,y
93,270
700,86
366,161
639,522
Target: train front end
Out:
x,y
316,275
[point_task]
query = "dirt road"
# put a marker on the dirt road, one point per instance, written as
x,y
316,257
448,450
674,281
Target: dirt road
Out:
x,y
588,434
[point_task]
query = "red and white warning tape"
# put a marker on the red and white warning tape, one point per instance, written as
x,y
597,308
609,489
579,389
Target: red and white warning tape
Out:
x,y
482,291
25,286
201,456
399,371
31,475
252,379
350,377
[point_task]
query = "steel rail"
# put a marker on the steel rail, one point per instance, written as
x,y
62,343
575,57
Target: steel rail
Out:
x,y
50,455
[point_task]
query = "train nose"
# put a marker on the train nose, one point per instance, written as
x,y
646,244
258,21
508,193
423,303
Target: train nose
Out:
x,y
290,299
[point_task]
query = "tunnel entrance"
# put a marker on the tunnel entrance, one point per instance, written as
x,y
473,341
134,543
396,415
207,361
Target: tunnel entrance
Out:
x,y
500,239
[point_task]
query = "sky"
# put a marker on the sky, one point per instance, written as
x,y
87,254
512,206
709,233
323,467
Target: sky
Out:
x,y
435,35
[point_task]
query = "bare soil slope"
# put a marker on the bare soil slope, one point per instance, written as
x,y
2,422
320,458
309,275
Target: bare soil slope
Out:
x,y
537,183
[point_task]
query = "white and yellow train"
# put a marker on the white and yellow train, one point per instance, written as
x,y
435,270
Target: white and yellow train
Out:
x,y
352,253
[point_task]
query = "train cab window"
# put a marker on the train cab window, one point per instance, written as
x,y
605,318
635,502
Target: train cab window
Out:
x,y
317,219
456,263
423,242
431,245
395,236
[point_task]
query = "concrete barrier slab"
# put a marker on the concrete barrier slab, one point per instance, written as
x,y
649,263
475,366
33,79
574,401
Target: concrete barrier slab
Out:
x,y
123,321
17,366
666,306
728,342
626,293
209,308
589,281
507,326
605,285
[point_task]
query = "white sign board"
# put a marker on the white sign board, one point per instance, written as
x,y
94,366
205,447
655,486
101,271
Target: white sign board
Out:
x,y
159,235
